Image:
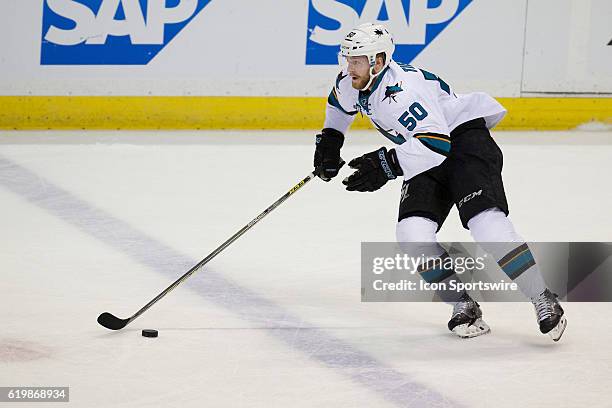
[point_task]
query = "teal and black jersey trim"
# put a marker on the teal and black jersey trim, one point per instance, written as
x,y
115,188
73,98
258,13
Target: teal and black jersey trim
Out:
x,y
333,101
406,67
397,138
440,144
339,78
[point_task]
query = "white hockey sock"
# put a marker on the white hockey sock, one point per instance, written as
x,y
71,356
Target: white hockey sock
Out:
x,y
495,233
419,236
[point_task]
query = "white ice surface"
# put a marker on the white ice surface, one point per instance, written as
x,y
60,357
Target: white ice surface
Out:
x,y
93,221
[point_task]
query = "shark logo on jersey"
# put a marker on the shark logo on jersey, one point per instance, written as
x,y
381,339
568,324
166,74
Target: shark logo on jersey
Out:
x,y
111,32
413,23
396,138
391,91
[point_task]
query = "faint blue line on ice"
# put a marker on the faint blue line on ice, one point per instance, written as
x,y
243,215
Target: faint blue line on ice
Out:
x,y
323,347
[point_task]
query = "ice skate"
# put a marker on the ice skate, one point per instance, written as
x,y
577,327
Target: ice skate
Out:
x,y
550,314
467,320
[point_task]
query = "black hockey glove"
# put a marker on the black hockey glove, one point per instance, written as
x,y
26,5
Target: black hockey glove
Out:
x,y
373,170
327,159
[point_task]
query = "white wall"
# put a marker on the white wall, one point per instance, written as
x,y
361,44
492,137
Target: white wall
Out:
x,y
244,47
569,52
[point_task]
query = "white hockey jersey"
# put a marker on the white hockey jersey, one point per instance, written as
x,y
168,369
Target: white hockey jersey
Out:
x,y
413,108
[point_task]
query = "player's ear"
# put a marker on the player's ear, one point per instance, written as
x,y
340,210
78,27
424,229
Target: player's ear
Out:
x,y
380,60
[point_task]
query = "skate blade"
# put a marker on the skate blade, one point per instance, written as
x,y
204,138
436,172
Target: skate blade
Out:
x,y
558,330
466,331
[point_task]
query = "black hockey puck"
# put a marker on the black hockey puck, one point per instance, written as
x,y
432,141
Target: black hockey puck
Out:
x,y
149,333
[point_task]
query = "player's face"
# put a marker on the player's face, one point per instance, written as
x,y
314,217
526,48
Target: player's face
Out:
x,y
359,70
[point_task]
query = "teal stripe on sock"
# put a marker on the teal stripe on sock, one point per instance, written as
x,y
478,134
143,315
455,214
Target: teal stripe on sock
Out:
x,y
519,265
436,275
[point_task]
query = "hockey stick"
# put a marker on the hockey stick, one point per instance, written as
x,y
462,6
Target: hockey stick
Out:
x,y
112,322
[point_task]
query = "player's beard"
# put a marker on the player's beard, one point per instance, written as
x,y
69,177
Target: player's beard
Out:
x,y
360,82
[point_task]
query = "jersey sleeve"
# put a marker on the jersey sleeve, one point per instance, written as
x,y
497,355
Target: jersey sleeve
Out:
x,y
338,114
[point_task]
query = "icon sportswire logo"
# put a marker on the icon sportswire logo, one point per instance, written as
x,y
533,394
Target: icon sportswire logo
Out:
x,y
111,32
413,23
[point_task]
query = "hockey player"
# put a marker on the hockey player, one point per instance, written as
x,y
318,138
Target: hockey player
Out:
x,y
446,156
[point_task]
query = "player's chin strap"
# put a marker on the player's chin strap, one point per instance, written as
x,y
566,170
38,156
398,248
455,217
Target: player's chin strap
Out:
x,y
373,76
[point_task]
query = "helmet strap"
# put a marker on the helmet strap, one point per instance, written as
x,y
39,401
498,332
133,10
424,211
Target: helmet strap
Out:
x,y
372,74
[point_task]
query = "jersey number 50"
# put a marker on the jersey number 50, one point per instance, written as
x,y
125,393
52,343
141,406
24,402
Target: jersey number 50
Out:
x,y
411,117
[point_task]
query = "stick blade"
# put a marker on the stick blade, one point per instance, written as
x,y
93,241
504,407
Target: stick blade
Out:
x,y
111,321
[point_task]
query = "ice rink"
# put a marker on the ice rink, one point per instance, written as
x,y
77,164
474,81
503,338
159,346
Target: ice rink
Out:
x,y
103,221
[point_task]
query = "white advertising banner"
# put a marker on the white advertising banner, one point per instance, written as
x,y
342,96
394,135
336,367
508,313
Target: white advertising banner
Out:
x,y
572,51
267,47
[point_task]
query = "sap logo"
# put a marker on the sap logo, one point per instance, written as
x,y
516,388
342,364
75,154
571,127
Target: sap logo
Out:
x,y
413,23
111,32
